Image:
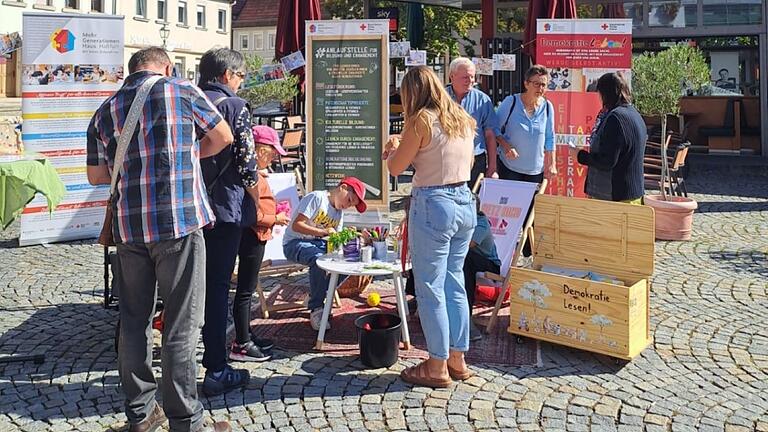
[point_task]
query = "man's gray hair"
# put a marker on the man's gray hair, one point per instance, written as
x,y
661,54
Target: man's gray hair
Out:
x,y
459,62
155,55
217,61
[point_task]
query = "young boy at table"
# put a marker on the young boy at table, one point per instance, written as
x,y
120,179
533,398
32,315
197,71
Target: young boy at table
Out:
x,y
320,214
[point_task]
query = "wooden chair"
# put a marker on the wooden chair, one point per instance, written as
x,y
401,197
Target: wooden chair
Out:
x,y
526,234
270,268
294,146
676,156
294,122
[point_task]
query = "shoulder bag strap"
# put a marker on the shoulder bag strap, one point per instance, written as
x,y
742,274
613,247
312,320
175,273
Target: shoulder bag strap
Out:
x,y
137,106
504,126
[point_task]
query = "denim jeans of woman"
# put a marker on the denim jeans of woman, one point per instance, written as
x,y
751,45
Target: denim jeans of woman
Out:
x,y
441,222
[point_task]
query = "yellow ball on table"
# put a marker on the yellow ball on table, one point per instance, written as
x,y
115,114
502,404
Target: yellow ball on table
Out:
x,y
373,299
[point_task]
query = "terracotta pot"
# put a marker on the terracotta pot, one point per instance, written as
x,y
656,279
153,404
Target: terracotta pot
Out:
x,y
674,217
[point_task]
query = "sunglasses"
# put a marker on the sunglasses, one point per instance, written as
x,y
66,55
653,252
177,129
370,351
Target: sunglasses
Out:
x,y
537,84
240,74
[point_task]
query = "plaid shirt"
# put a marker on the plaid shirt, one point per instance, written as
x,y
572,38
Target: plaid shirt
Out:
x,y
160,194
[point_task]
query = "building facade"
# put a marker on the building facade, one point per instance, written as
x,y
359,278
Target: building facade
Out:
x,y
187,28
254,27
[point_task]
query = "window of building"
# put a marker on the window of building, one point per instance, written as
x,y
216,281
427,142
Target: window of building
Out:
x,y
677,14
258,41
72,4
201,16
97,6
178,67
48,3
182,12
732,12
222,20
162,14
141,8
244,39
271,41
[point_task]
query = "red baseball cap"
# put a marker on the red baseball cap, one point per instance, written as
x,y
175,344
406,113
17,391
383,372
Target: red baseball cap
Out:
x,y
359,188
268,136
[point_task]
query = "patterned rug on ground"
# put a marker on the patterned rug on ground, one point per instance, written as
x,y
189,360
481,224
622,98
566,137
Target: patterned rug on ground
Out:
x,y
291,330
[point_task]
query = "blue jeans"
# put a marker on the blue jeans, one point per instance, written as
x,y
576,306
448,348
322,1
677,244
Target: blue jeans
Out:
x,y
440,226
307,252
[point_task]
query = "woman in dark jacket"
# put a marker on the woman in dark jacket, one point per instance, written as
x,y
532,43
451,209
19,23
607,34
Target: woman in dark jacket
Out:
x,y
617,146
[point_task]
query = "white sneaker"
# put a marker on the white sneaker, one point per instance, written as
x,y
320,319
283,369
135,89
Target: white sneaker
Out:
x,y
316,317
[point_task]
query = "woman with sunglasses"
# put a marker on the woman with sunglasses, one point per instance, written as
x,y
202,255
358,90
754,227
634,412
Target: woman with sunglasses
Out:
x,y
526,135
231,178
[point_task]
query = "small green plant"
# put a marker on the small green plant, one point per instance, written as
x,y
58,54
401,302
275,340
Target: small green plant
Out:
x,y
339,239
279,90
659,80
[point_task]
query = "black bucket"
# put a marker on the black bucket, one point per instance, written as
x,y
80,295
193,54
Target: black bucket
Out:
x,y
379,346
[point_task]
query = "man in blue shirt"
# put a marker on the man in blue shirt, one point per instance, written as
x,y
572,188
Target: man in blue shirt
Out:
x,y
480,107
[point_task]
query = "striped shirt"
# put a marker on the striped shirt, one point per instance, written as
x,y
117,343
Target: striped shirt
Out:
x,y
160,194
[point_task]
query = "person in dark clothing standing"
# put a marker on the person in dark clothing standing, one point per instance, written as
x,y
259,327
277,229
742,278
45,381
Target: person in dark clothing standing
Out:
x,y
617,147
231,178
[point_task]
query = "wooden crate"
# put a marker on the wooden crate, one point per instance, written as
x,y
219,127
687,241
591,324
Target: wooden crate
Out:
x,y
604,237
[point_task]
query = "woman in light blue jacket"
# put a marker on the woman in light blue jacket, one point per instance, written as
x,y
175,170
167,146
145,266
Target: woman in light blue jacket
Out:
x,y
526,131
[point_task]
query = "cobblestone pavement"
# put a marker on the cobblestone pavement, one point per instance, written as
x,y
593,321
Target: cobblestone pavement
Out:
x,y
707,369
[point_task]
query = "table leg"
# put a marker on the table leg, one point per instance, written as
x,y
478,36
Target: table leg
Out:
x,y
402,308
327,310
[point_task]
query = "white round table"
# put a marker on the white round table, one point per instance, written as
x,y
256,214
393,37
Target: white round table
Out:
x,y
336,265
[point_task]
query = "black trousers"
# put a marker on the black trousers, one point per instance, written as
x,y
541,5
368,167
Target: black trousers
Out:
x,y
507,174
476,262
251,255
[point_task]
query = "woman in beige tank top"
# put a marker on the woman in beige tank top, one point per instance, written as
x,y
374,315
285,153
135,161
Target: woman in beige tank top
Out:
x,y
437,140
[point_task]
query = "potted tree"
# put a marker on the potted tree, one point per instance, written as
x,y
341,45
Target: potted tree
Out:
x,y
281,92
659,80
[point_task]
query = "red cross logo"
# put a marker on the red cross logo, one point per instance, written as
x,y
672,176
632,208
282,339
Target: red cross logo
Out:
x,y
604,26
363,27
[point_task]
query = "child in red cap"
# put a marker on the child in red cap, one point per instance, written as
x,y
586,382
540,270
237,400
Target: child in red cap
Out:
x,y
320,214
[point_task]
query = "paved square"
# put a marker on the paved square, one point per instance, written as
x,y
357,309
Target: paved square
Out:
x,y
706,371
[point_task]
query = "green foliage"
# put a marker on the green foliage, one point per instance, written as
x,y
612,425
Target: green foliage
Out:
x,y
278,90
660,79
444,28
339,239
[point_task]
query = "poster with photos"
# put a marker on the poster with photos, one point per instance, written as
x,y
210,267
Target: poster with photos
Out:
x,y
483,66
416,58
504,62
399,49
293,61
399,78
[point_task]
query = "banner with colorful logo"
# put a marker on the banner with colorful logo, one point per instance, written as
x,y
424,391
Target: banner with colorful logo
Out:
x,y
577,52
70,65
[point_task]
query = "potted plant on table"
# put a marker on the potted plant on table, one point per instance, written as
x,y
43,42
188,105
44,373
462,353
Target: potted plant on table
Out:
x,y
259,93
659,80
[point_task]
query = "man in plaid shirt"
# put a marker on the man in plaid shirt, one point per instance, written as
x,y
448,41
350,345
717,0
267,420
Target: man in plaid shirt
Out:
x,y
160,206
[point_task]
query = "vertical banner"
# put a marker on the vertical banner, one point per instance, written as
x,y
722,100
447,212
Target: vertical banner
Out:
x,y
347,124
577,52
70,65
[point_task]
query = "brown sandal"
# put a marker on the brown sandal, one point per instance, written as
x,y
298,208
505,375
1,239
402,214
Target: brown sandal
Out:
x,y
459,375
418,375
